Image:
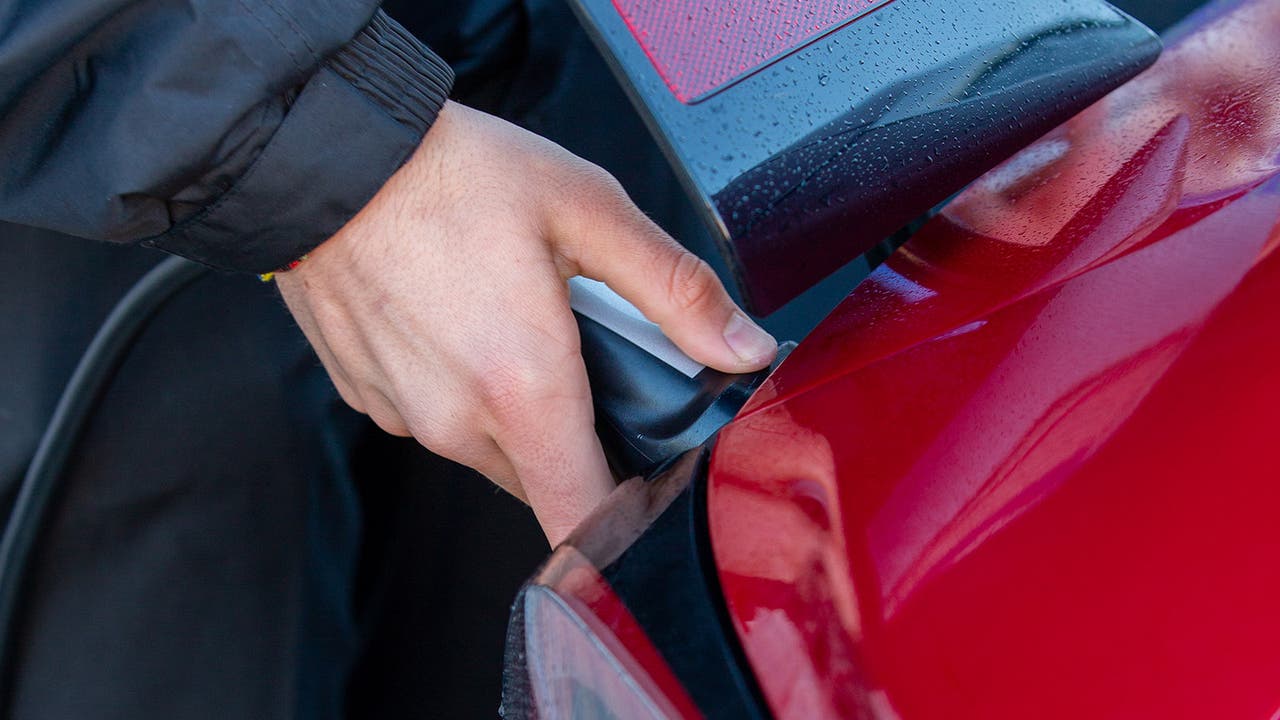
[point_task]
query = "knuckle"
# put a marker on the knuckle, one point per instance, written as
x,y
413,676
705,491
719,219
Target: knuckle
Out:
x,y
599,177
350,397
391,425
442,425
512,395
611,186
691,282
590,181
386,417
435,437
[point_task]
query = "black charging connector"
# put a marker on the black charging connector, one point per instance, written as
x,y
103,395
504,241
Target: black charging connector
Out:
x,y
647,411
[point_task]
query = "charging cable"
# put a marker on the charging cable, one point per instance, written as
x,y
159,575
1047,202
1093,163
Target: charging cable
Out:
x,y
91,377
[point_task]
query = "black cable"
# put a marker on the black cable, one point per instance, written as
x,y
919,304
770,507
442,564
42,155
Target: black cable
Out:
x,y
96,368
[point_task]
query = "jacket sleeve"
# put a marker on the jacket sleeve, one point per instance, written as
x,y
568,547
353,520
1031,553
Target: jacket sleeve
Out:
x,y
237,133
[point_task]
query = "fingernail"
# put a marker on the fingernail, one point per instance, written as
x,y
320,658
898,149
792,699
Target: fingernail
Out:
x,y
748,341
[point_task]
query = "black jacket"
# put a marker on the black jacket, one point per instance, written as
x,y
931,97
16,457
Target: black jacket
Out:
x,y
238,133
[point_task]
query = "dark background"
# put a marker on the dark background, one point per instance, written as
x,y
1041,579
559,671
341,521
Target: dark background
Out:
x,y
446,552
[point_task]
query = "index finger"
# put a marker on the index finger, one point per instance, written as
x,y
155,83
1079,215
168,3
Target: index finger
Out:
x,y
552,446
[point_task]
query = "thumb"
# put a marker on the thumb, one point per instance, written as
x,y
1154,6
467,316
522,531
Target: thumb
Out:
x,y
621,247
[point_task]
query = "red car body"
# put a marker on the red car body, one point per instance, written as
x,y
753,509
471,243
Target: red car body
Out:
x,y
1025,470
1029,468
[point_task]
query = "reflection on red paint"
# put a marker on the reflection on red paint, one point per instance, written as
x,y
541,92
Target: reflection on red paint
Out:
x,y
1027,469
699,46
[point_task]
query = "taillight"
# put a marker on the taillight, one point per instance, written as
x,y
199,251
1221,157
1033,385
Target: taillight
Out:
x,y
625,621
586,656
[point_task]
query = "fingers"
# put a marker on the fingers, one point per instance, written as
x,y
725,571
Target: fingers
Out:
x,y
544,427
612,241
484,456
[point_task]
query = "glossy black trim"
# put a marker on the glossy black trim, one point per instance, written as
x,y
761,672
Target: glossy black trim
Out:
x,y
667,579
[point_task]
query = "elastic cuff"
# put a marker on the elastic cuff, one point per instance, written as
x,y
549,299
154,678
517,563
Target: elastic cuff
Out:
x,y
358,119
390,65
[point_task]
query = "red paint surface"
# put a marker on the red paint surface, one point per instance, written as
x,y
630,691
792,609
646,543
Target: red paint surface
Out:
x,y
699,46
1030,468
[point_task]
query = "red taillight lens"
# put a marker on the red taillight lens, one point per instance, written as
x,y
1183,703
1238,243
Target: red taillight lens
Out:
x,y
585,655
623,621
699,47
574,649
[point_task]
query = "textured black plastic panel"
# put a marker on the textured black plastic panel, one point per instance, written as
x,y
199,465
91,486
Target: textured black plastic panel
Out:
x,y
807,161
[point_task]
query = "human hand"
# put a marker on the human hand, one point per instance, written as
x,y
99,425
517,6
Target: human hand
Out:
x,y
442,310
